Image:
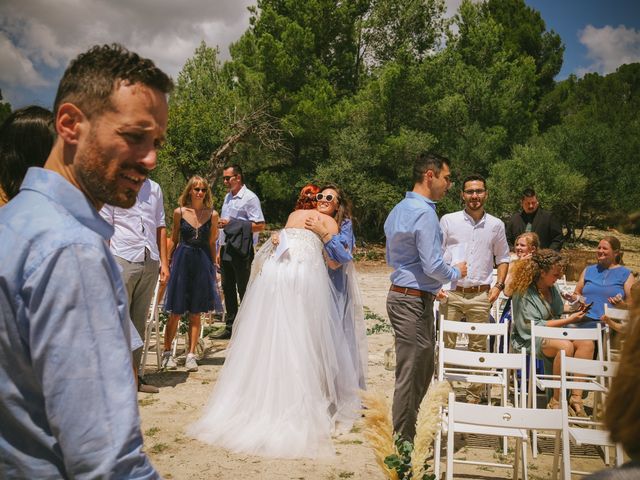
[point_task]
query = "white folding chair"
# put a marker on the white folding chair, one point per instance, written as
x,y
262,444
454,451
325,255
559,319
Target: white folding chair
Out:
x,y
619,315
487,368
551,381
466,328
496,368
587,431
506,421
152,326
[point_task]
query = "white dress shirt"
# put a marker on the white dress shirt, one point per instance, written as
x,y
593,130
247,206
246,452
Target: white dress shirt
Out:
x,y
136,227
244,205
479,244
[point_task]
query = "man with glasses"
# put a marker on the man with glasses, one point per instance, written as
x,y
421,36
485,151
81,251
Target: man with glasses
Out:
x,y
139,244
414,250
241,215
478,238
68,400
533,218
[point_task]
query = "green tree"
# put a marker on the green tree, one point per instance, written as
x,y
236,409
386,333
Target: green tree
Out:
x,y
402,30
5,109
559,186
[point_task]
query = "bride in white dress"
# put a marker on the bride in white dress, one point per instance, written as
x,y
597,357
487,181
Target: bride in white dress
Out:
x,y
286,386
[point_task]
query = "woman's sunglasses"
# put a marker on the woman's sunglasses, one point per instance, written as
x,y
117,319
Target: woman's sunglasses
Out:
x,y
197,189
328,197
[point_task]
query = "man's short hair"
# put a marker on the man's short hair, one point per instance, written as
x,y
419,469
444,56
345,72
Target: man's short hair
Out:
x,y
428,161
528,192
474,177
237,170
92,77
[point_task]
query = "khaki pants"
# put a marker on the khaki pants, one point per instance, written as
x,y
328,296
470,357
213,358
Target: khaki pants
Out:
x,y
475,307
140,280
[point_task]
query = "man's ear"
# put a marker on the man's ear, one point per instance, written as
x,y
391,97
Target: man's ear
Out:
x,y
69,122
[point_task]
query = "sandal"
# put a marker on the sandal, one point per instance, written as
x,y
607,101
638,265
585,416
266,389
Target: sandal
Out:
x,y
576,407
553,404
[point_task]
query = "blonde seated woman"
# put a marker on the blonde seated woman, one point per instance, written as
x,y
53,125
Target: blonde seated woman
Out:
x,y
525,245
537,300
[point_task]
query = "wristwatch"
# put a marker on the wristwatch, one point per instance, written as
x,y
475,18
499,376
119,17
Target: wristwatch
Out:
x,y
499,285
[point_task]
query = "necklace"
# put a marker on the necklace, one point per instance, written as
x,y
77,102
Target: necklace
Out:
x,y
545,302
198,223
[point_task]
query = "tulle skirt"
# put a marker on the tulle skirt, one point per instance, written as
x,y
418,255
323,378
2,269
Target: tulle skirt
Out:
x,y
192,283
288,382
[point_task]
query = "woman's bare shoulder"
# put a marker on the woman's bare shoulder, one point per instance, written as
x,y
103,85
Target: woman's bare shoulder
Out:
x,y
297,218
329,222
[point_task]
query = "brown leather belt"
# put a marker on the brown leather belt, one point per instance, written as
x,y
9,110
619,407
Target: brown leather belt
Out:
x,y
476,289
408,291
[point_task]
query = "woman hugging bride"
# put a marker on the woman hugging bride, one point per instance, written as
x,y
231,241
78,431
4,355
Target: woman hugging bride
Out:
x,y
288,382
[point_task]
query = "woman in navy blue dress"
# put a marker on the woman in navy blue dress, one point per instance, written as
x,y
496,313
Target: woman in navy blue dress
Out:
x,y
192,283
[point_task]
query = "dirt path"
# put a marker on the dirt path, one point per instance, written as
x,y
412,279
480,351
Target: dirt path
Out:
x,y
183,396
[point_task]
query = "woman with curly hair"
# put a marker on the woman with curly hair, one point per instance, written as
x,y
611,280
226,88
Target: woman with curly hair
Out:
x,y
307,198
536,299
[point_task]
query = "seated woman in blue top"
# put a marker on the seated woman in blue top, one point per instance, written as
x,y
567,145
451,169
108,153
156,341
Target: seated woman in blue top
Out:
x,y
607,282
338,250
536,299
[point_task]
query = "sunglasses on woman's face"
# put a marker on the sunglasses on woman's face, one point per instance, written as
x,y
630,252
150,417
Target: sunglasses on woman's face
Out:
x,y
328,197
197,189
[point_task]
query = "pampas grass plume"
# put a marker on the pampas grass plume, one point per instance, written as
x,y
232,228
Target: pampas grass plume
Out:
x,y
427,425
378,430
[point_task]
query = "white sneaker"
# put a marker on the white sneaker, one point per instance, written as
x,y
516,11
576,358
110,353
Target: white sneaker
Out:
x,y
190,363
168,362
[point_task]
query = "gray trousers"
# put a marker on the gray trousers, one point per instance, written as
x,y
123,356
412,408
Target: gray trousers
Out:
x,y
140,280
413,323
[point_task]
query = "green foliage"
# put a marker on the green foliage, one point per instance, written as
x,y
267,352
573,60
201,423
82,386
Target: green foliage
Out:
x,y
381,325
402,29
5,109
202,109
558,185
401,460
360,88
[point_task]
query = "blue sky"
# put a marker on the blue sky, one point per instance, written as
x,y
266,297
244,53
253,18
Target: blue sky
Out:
x,y
615,35
39,37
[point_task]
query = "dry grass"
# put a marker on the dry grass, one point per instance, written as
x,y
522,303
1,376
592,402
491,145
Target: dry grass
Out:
x,y
378,430
427,425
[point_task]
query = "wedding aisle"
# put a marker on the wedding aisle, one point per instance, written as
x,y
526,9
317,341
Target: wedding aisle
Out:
x,y
182,397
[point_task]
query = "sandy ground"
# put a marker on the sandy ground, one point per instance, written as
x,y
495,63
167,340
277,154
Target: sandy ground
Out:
x,y
183,395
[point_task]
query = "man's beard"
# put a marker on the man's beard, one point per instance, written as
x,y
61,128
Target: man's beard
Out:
x,y
92,170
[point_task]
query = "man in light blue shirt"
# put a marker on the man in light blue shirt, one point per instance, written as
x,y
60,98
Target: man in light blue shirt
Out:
x,y
68,402
414,250
240,205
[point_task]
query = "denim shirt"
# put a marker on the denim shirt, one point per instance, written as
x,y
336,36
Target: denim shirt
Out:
x,y
68,401
414,245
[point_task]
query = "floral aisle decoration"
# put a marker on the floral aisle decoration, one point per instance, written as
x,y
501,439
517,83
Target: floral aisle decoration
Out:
x,y
401,459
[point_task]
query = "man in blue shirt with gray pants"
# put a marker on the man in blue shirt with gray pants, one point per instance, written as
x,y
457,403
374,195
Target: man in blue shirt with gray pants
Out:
x,y
68,401
414,250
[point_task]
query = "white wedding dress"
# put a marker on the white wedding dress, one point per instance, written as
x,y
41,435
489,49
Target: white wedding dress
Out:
x,y
287,383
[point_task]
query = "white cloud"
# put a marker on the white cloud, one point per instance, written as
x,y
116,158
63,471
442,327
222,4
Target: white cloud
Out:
x,y
609,47
15,67
42,36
